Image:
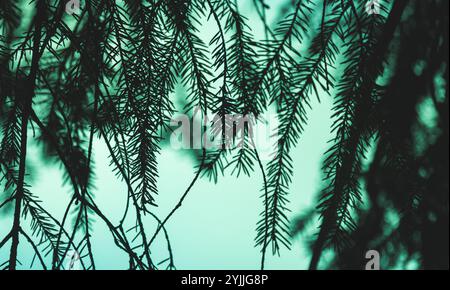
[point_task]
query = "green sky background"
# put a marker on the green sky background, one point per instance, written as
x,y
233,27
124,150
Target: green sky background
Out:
x,y
215,227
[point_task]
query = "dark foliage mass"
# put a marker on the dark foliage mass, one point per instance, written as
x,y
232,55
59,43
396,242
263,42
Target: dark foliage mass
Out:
x,y
109,72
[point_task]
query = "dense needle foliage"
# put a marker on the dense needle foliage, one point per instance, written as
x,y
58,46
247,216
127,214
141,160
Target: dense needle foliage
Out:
x,y
110,71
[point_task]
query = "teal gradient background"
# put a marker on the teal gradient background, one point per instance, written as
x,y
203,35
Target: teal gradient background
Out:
x,y
215,227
